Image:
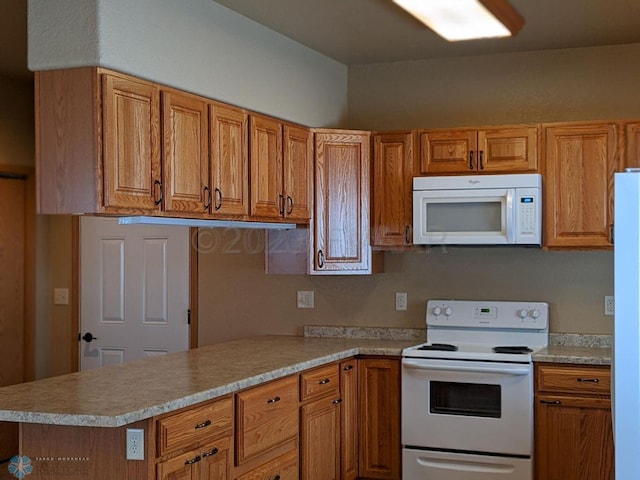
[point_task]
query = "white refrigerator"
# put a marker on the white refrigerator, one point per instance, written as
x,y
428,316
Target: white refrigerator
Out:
x,y
626,339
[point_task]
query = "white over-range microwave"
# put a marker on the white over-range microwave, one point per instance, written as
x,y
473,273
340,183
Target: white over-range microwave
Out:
x,y
478,210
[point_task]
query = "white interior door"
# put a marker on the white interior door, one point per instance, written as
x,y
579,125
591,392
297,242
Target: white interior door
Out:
x,y
134,283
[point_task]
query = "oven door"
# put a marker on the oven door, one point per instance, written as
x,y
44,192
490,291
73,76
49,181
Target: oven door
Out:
x,y
469,406
421,464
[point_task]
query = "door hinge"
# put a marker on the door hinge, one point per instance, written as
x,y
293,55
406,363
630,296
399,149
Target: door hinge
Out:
x,y
189,316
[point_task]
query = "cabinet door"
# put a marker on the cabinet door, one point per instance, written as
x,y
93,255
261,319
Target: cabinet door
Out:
x,y
578,185
341,241
632,159
267,199
508,150
349,420
181,467
298,172
320,439
229,160
448,151
379,384
131,143
185,155
393,171
574,438
215,461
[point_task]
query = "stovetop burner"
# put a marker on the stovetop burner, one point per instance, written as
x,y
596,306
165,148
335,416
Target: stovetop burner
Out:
x,y
445,347
517,349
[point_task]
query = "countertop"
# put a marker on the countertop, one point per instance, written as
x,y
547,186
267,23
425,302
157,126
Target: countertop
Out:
x,y
585,355
121,394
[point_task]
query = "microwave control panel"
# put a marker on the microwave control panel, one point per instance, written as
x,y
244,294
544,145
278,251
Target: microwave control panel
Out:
x,y
528,214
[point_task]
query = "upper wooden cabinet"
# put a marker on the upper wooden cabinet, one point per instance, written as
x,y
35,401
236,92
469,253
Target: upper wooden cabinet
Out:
x,y
185,153
632,158
341,220
394,166
580,160
281,157
509,149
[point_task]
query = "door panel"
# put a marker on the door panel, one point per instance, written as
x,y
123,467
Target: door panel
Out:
x,y
135,297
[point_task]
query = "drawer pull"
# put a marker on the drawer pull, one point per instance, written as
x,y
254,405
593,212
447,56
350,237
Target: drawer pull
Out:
x,y
193,460
277,477
347,368
273,400
324,382
204,424
589,380
551,402
337,401
213,451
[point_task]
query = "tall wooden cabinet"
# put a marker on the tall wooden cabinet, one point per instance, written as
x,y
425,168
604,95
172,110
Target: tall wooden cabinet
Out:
x,y
349,442
394,166
341,222
509,149
573,428
580,160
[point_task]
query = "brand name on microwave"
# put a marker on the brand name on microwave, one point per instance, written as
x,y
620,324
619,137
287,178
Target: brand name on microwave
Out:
x,y
474,182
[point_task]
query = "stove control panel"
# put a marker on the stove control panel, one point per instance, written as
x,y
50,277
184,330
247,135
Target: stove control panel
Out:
x,y
487,314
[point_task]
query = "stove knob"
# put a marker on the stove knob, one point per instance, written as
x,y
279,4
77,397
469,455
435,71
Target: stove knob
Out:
x,y
448,311
522,313
535,313
437,311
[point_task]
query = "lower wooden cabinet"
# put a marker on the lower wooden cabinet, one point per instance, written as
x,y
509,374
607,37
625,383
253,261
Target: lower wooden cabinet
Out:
x,y
320,439
284,467
573,427
379,387
209,462
349,419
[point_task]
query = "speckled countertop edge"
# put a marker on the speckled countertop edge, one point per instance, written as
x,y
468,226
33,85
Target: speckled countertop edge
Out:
x,y
110,396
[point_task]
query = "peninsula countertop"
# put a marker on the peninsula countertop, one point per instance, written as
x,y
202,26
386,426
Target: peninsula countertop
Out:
x,y
121,394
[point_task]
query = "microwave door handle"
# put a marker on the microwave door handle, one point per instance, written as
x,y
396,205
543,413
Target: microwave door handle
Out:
x,y
511,217
524,370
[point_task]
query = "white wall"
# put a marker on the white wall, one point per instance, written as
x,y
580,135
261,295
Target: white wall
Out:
x,y
195,45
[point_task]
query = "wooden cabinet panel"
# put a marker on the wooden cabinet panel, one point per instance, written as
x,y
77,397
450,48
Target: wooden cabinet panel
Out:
x,y
216,460
298,172
341,229
284,467
632,158
195,425
578,185
508,149
266,417
131,143
267,199
448,151
229,160
185,155
379,386
209,462
573,425
393,171
320,439
319,382
349,421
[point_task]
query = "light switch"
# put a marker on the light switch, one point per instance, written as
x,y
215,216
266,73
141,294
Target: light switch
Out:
x,y
401,300
305,299
61,296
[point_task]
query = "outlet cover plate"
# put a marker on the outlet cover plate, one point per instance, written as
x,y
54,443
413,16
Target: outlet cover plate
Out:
x,y
305,299
135,444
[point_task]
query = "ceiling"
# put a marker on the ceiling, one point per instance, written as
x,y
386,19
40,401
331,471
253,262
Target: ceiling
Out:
x,y
376,31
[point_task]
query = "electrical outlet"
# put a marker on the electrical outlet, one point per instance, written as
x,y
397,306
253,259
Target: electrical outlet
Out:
x,y
135,444
401,300
609,305
305,299
61,296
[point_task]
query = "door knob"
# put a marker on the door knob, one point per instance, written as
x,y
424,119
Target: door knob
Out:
x,y
87,337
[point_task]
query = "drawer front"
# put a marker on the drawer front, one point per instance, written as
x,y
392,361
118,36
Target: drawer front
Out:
x,y
267,417
588,380
194,426
319,382
284,467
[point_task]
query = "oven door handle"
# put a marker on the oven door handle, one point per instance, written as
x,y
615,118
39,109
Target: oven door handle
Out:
x,y
517,370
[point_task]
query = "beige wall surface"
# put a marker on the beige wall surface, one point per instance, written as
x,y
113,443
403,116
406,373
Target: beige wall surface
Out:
x,y
17,146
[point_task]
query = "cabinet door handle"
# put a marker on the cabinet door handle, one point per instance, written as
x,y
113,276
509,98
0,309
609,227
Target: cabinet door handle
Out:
x,y
274,400
277,477
337,401
158,183
289,205
471,160
281,203
481,159
207,191
407,231
324,382
193,460
611,234
213,451
347,368
320,259
204,424
218,204
589,380
551,402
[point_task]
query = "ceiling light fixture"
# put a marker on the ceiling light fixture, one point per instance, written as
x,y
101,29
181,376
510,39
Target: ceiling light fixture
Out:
x,y
457,20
